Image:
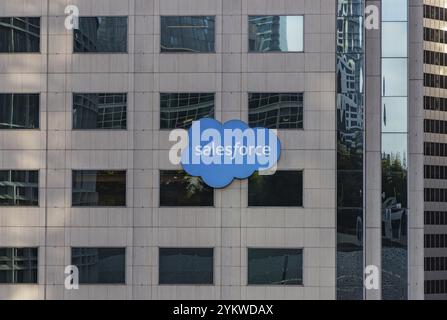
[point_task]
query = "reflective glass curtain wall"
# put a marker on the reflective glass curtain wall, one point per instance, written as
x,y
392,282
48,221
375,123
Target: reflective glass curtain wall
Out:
x,y
394,149
350,149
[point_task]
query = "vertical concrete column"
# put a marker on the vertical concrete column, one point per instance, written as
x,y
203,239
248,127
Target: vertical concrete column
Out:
x,y
373,169
232,103
416,152
58,115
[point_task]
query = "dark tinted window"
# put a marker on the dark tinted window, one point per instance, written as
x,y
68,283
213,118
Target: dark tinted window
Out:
x,y
18,265
435,103
100,265
178,189
276,33
19,188
20,34
99,110
435,286
186,266
101,34
99,188
179,110
282,189
275,266
187,34
276,110
19,111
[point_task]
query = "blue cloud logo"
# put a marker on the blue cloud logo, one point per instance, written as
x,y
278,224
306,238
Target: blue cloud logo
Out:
x,y
220,153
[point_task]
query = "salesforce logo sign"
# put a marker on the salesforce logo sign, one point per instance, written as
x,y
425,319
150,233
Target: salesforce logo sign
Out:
x,y
220,153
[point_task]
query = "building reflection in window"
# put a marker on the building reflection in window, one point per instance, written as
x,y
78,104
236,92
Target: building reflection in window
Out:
x,y
179,110
18,265
276,33
191,34
99,111
101,34
275,110
19,188
350,149
19,34
19,111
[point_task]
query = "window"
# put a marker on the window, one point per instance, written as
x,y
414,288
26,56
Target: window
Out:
x,y
435,241
276,33
394,73
275,266
18,265
435,58
435,264
179,110
187,34
101,34
99,188
99,111
435,35
100,265
394,11
276,110
19,188
19,34
282,189
19,111
186,266
178,189
435,286
436,13
435,149
435,126
435,217
435,103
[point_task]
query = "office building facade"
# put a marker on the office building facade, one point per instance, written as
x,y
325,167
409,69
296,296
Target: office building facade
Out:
x,y
435,16
86,180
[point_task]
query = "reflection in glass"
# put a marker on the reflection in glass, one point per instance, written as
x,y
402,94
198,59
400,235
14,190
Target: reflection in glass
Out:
x,y
350,149
101,34
187,34
394,150
179,110
282,189
394,114
93,188
99,110
100,265
18,265
394,39
275,110
19,34
276,33
275,266
349,188
19,188
394,216
178,189
19,111
350,254
394,167
394,77
186,266
394,10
